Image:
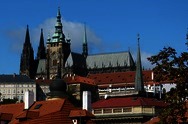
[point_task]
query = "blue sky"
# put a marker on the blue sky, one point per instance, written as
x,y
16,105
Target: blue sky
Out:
x,y
112,25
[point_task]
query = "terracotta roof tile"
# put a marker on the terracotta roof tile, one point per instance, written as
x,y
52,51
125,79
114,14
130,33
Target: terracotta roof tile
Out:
x,y
80,113
127,102
51,111
119,77
11,110
6,116
43,82
46,106
79,79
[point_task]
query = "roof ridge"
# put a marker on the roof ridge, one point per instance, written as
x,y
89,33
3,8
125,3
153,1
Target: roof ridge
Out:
x,y
115,52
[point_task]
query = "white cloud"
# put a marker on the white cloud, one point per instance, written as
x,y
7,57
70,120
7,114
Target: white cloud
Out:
x,y
73,30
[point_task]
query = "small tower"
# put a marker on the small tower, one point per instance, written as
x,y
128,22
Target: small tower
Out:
x,y
27,57
41,54
139,85
58,50
85,47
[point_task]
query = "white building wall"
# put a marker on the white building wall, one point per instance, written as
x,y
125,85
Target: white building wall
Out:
x,y
11,91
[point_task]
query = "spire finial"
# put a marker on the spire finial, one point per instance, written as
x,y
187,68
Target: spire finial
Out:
x,y
48,39
139,86
85,35
68,38
58,15
138,37
58,12
85,47
27,36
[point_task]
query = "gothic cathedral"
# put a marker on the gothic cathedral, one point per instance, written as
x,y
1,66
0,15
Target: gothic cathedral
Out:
x,y
58,59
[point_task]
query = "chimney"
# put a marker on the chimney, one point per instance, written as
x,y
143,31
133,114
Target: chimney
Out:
x,y
152,76
86,100
28,99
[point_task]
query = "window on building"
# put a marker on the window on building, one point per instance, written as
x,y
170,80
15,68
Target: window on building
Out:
x,y
55,62
107,110
98,111
128,109
38,106
117,110
21,97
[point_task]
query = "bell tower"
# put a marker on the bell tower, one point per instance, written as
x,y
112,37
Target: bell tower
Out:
x,y
58,50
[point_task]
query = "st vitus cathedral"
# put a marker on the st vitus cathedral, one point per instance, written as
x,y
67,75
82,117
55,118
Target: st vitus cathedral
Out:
x,y
57,57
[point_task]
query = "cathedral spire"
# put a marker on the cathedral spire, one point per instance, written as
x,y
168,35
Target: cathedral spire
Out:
x,y
85,47
27,37
27,57
58,35
41,54
139,85
58,15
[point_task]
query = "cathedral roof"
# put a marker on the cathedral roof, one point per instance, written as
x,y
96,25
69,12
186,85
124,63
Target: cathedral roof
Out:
x,y
75,59
41,66
120,59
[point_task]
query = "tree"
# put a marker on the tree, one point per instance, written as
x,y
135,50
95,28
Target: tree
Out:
x,y
169,67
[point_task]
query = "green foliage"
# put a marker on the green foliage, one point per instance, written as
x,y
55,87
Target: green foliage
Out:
x,y
169,67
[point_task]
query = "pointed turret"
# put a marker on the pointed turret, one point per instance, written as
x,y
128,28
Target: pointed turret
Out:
x,y
58,36
85,47
41,54
27,37
27,57
139,85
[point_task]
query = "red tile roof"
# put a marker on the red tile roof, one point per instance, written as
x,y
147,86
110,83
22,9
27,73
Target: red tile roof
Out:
x,y
47,112
79,79
43,82
126,78
69,80
80,113
9,111
127,102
